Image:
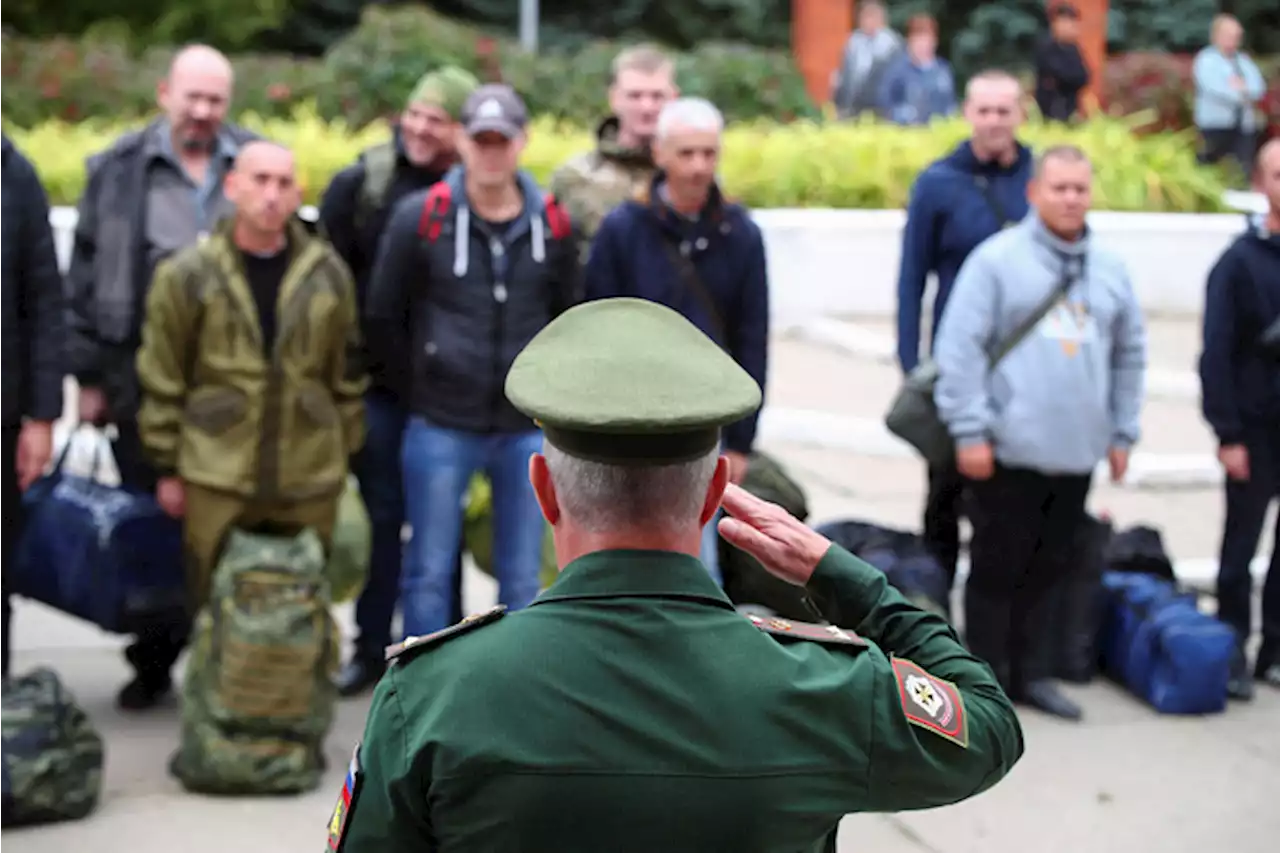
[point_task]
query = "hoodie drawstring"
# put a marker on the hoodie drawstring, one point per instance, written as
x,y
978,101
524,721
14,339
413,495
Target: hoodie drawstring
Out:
x,y
461,241
538,239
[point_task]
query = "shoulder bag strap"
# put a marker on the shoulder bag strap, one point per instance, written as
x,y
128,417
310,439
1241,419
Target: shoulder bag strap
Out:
x,y
989,193
689,277
1069,277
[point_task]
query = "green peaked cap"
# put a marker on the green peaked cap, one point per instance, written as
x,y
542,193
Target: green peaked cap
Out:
x,y
629,382
447,88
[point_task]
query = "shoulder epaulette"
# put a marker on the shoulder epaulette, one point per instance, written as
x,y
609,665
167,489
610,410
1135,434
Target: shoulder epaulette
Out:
x,y
472,622
807,631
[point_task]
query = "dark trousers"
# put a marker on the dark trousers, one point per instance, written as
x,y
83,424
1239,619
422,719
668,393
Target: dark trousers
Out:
x,y
12,526
158,644
1247,504
1217,145
378,468
1024,533
942,511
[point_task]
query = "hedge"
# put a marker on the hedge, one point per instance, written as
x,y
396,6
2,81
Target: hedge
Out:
x,y
765,165
367,75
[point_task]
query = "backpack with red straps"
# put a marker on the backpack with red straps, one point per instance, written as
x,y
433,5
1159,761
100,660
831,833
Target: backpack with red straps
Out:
x,y
439,201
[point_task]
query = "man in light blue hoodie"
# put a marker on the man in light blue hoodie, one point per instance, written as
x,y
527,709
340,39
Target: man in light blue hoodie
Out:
x,y
1228,89
1030,431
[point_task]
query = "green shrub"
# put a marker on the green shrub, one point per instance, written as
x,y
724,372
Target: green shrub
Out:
x,y
367,74
374,68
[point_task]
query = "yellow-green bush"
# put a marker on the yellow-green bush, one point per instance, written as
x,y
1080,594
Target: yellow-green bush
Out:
x,y
764,165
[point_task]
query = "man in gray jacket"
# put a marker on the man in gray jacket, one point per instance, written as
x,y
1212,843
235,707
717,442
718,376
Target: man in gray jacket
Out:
x,y
1030,431
150,193
871,48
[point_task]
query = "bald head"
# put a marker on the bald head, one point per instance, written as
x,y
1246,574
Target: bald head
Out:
x,y
263,152
199,59
195,95
1269,156
1268,178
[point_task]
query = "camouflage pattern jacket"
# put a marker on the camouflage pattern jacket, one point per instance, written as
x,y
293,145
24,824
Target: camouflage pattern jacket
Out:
x,y
592,184
224,411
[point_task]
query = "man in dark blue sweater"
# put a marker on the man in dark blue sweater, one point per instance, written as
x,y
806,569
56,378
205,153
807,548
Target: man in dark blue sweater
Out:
x,y
683,245
956,203
1240,388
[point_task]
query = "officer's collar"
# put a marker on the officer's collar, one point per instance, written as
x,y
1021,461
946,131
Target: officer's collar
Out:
x,y
636,574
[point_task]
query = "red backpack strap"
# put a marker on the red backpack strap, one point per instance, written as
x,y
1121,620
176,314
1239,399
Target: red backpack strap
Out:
x,y
557,217
434,210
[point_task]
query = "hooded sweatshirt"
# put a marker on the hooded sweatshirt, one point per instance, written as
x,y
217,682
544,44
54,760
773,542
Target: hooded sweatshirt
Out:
x,y
1073,387
956,203
1240,384
453,299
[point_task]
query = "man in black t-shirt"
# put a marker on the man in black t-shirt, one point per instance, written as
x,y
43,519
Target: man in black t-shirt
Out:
x,y
251,371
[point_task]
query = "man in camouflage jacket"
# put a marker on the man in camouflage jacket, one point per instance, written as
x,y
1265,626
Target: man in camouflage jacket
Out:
x,y
250,371
592,184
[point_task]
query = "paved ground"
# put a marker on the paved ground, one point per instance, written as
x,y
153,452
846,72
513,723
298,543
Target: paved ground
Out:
x,y
1126,780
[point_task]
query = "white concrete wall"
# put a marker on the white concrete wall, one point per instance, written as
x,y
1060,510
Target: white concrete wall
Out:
x,y
840,262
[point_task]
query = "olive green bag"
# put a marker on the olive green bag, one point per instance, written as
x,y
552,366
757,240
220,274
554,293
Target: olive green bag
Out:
x,y
477,532
258,696
913,415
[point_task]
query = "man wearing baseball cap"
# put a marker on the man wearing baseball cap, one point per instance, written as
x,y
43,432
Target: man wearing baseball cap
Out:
x,y
353,214
479,264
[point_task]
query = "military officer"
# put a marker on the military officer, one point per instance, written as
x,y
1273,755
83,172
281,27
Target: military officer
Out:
x,y
630,707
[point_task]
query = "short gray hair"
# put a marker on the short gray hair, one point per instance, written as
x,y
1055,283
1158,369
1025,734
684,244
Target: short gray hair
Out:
x,y
690,113
1061,153
602,498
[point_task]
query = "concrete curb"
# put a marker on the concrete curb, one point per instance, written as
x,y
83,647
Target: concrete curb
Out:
x,y
859,342
867,436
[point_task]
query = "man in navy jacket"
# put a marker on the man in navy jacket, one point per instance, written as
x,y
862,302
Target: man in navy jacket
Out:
x,y
1240,388
956,203
682,244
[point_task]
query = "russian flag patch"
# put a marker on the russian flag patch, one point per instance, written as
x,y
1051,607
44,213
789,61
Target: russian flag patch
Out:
x,y
346,800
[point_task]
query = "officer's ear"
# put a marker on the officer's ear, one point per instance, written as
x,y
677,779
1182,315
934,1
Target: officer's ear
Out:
x,y
715,492
543,489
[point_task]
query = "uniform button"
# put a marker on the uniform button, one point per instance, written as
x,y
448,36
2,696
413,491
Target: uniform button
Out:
x,y
431,348
499,293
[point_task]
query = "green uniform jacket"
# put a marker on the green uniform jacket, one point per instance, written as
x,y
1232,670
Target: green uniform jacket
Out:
x,y
631,708
219,410
591,185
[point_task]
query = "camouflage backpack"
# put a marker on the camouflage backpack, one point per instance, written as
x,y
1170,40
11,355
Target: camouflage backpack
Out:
x,y
258,698
52,753
379,168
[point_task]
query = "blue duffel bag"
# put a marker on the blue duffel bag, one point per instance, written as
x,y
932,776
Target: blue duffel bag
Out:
x,y
1157,643
107,554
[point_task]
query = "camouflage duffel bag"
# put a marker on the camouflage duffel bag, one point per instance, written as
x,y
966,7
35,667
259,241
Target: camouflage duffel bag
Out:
x,y
258,696
52,753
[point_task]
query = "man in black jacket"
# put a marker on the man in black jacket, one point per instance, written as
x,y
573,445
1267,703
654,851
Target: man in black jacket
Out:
x,y
33,355
353,215
152,192
1060,69
1240,388
467,273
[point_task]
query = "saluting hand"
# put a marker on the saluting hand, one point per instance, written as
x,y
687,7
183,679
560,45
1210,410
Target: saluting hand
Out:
x,y
783,544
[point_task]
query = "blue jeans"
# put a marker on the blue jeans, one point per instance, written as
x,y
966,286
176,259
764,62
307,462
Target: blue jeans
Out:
x,y
438,466
377,467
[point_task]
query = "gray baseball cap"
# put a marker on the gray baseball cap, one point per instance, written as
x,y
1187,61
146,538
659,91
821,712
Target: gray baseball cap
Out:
x,y
494,107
